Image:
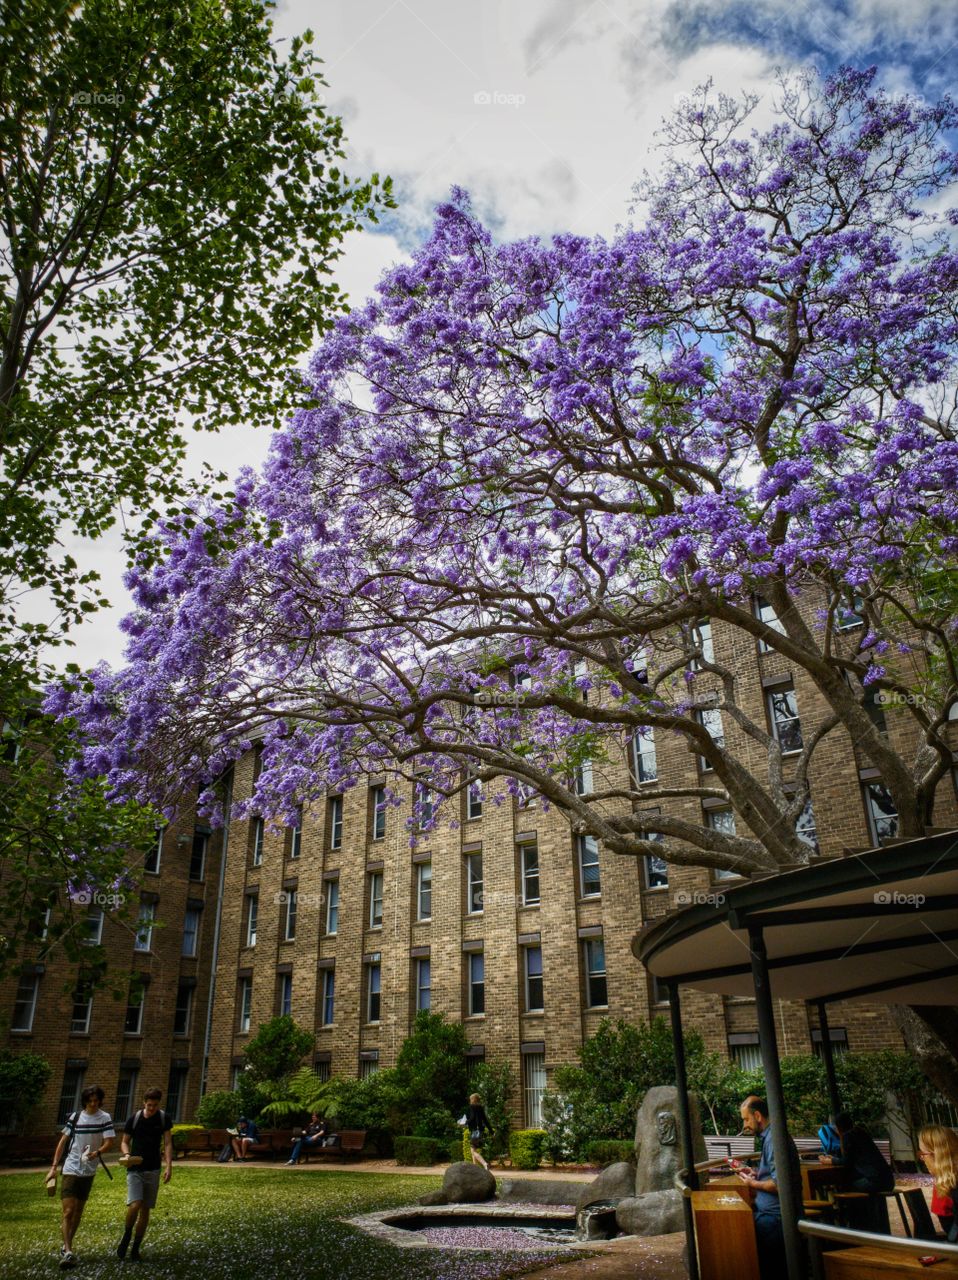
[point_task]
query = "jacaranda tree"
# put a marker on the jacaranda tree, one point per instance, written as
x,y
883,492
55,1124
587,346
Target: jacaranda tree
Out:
x,y
531,470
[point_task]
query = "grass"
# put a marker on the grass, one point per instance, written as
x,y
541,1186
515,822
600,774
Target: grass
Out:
x,y
238,1224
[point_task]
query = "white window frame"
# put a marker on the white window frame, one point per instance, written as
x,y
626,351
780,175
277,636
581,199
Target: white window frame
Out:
x,y
332,907
645,765
588,845
534,1084
94,922
259,840
710,718
289,915
138,1008
474,984
424,802
704,628
525,874
423,989
767,615
328,1013
285,995
245,1005
335,822
376,883
296,836
531,977
782,724
252,919
81,1026
473,799
590,946
379,808
191,914
29,1003
423,890
143,941
876,819
474,884
153,859
583,779
374,990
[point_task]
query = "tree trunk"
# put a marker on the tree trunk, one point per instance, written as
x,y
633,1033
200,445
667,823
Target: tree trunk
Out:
x,y
931,1034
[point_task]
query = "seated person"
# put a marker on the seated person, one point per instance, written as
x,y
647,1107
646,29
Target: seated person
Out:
x,y
314,1135
830,1138
246,1135
938,1150
870,1172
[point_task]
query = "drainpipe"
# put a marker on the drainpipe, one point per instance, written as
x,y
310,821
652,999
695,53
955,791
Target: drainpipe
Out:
x,y
216,935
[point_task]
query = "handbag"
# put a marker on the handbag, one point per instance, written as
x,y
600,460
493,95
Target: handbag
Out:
x,y
475,1135
462,1121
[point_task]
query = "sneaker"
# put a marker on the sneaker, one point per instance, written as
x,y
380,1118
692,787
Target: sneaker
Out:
x,y
135,1254
124,1244
67,1258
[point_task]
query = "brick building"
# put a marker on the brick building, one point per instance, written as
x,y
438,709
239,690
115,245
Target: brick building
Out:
x,y
509,922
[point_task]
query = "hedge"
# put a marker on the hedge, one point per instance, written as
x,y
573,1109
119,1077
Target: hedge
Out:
x,y
179,1132
526,1147
609,1151
410,1150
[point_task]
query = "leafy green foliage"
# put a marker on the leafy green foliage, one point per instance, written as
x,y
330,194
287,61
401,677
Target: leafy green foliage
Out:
x,y
495,1082
609,1151
277,1049
526,1147
23,1080
180,1132
294,1098
420,1151
219,1109
167,260
430,1071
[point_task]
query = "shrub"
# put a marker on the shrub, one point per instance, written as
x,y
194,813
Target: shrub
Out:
x,y
495,1084
179,1131
414,1150
277,1049
456,1152
609,1151
434,1122
218,1110
466,1146
526,1147
23,1080
428,1086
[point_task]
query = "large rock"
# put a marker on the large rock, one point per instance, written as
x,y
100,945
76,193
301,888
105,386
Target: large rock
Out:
x,y
658,1139
464,1183
614,1183
657,1213
534,1191
434,1197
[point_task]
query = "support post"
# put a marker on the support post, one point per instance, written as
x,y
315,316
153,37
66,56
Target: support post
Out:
x,y
789,1187
828,1058
685,1115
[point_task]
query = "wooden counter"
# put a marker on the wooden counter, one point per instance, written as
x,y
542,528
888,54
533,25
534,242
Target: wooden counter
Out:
x,y
724,1234
871,1263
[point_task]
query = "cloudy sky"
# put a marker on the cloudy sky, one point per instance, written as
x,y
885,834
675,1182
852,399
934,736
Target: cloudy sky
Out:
x,y
546,111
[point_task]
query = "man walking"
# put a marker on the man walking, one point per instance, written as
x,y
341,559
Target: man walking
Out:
x,y
766,1206
143,1135
86,1135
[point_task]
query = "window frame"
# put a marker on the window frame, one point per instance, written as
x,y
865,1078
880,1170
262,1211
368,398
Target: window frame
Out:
x,y
259,841
423,890
290,912
524,847
196,914
328,1008
379,807
203,837
583,843
375,880
34,979
296,836
374,992
251,914
476,985
146,921
594,974
335,822
332,906
644,772
284,995
474,884
186,1008
245,1006
780,724
533,982
423,965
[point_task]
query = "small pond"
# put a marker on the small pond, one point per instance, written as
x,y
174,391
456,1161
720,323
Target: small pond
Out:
x,y
480,1230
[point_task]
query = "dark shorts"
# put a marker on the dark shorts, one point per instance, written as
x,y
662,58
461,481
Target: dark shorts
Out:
x,y
74,1186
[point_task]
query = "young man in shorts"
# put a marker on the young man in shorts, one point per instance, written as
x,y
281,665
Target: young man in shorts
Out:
x,y
143,1135
87,1134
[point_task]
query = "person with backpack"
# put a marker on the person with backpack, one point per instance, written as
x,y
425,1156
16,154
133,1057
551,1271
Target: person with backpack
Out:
x,y
143,1135
86,1135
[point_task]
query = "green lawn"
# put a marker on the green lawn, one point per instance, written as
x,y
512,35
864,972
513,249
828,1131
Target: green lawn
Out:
x,y
238,1224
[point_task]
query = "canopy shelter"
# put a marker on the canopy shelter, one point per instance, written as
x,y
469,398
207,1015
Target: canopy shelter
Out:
x,y
879,926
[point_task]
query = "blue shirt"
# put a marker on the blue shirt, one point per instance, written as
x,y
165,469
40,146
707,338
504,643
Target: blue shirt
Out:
x,y
767,1201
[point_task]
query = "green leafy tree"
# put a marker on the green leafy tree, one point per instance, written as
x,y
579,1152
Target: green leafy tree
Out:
x,y
219,1109
172,201
276,1050
23,1080
294,1098
495,1082
430,1072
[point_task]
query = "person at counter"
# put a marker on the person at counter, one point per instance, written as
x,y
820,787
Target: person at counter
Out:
x,y
763,1181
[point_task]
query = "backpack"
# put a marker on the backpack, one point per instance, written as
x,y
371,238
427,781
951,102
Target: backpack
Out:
x,y
72,1122
831,1142
139,1116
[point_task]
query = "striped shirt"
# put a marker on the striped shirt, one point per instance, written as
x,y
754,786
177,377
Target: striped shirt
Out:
x,y
90,1133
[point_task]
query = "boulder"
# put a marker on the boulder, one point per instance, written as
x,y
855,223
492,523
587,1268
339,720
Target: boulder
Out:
x,y
533,1191
657,1213
658,1139
614,1183
464,1183
434,1197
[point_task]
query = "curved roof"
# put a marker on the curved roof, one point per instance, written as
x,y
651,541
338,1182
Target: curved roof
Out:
x,y
880,926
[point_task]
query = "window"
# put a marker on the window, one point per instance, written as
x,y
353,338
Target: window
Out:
x,y
376,900
151,862
259,839
323,1070
722,820
133,1021
710,718
423,983
872,702
744,1050
656,869
94,924
183,1009
533,1087
191,931
289,915
848,613
70,1093
529,870
582,779
596,987
25,1002
644,763
252,917
201,840
373,990
533,979
477,983
701,637
474,799
378,801
660,992
368,1066
590,881
332,906
175,1093
473,883
783,714
424,891
805,826
765,613
329,997
424,803
882,814
838,1038
285,1000
336,822
126,1096
144,933
245,1003
525,794
296,835
82,1010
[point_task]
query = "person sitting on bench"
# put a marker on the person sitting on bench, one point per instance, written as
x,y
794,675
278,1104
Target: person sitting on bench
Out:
x,y
246,1135
870,1173
314,1135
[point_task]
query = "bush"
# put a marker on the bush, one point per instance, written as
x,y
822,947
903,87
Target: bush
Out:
x,y
609,1151
526,1147
495,1084
277,1049
179,1132
218,1110
414,1150
433,1121
456,1152
23,1080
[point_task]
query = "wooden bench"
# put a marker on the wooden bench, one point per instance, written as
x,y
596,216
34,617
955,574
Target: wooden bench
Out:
x,y
197,1143
351,1143
730,1145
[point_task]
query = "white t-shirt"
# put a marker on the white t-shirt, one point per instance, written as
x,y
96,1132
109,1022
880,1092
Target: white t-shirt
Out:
x,y
90,1133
